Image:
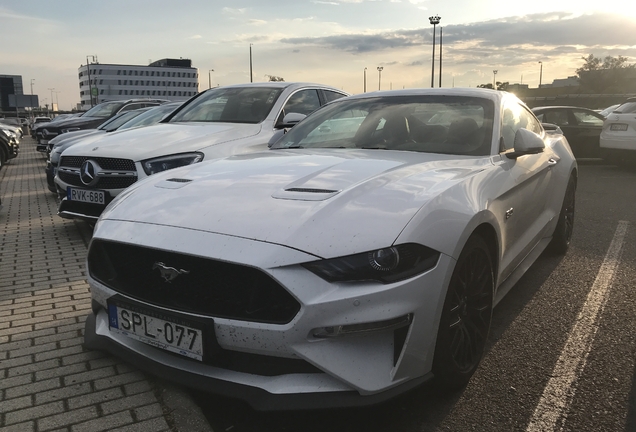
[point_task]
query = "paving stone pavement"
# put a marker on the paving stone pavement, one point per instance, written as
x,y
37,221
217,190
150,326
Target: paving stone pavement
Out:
x,y
48,381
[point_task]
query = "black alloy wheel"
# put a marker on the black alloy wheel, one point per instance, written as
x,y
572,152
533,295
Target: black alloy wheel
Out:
x,y
565,226
465,322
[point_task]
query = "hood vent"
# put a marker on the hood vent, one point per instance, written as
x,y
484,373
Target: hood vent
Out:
x,y
305,194
173,183
310,190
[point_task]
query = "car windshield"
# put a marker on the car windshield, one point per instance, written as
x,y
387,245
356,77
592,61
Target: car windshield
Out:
x,y
626,108
432,124
154,115
121,119
105,109
230,105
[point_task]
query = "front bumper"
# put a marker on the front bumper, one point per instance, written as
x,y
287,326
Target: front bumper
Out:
x,y
353,369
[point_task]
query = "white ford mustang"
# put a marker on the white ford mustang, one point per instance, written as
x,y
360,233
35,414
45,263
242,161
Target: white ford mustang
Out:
x,y
358,258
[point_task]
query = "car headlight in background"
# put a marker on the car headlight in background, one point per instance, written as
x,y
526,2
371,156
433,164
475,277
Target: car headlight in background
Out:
x,y
154,166
385,265
73,129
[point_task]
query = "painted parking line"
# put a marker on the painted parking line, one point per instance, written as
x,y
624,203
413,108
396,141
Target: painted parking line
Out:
x,y
560,390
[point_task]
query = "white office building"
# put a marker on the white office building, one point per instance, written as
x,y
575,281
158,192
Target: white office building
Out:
x,y
170,79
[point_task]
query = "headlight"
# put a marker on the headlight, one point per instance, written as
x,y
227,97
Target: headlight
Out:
x,y
154,166
385,265
70,129
9,133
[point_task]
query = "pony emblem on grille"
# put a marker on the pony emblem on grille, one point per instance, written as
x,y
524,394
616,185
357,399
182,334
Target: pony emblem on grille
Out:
x,y
168,273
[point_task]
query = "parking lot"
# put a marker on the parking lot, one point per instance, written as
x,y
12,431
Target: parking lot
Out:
x,y
48,381
561,352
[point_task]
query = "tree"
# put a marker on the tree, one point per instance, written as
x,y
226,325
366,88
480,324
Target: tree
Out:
x,y
275,78
608,75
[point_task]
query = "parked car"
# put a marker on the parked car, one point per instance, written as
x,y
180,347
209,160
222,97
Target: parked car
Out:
x,y
581,126
607,111
9,146
216,123
123,121
618,138
36,121
96,116
357,259
36,129
15,124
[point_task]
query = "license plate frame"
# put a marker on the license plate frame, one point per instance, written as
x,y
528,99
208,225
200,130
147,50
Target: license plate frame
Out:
x,y
618,127
203,349
90,196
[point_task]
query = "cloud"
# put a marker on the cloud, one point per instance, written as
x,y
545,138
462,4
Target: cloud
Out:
x,y
195,37
326,2
234,11
539,29
257,22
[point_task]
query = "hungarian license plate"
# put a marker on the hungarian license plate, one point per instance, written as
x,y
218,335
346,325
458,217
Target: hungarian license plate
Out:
x,y
618,127
85,195
161,332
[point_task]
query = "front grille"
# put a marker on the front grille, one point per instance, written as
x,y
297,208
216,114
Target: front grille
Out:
x,y
114,182
104,163
205,286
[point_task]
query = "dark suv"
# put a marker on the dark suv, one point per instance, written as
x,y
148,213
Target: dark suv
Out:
x,y
96,116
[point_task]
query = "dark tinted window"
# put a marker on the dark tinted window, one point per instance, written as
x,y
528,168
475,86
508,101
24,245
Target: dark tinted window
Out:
x,y
332,95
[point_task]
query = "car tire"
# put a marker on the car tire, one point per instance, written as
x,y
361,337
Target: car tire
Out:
x,y
563,231
466,316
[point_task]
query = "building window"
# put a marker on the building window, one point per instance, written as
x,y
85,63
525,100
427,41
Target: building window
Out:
x,y
126,92
101,92
101,81
137,92
152,73
163,73
153,92
118,71
172,74
120,91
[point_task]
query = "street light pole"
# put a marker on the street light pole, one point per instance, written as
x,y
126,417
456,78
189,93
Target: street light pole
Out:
x,y
32,81
380,69
210,78
365,80
540,73
433,20
251,79
494,79
440,57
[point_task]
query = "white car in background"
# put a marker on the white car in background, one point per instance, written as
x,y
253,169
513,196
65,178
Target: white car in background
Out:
x,y
618,137
359,257
219,122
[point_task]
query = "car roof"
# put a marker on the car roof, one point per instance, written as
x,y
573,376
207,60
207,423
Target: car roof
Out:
x,y
561,107
494,95
282,85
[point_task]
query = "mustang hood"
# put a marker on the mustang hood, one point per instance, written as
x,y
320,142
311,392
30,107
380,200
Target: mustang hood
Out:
x,y
163,139
323,203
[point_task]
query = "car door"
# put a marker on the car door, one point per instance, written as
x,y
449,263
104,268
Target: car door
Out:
x,y
588,132
525,189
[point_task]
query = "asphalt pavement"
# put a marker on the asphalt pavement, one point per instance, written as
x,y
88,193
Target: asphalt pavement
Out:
x,y
48,381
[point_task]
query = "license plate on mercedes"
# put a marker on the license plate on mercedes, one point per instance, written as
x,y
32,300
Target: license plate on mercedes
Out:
x,y
87,196
165,334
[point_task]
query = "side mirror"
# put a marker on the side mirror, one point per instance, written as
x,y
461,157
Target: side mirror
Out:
x,y
290,120
526,142
552,128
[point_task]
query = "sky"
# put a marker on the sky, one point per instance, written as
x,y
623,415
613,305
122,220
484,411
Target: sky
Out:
x,y
324,41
